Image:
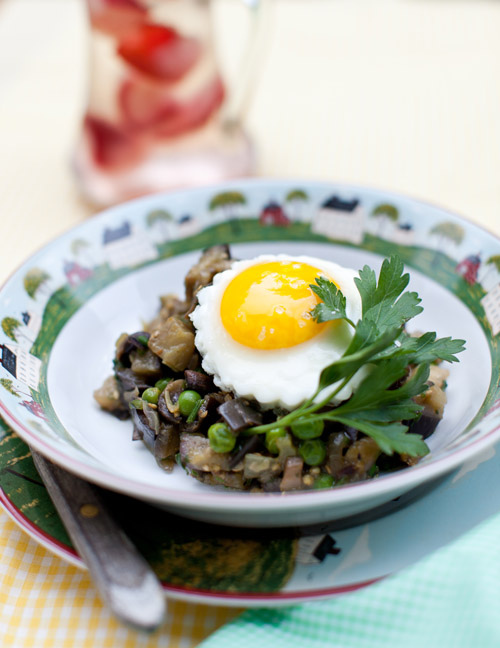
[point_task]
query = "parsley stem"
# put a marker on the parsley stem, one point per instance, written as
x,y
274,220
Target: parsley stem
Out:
x,y
305,410
328,398
285,421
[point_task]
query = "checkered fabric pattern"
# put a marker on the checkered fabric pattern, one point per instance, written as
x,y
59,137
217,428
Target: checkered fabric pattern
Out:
x,y
449,600
46,603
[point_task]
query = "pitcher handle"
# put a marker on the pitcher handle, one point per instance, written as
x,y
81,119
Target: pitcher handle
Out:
x,y
238,102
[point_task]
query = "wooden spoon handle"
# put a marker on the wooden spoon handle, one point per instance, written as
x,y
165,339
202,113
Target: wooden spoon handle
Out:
x,y
122,576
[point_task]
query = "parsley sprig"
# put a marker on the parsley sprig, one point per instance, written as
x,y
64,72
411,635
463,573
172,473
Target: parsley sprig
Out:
x,y
385,396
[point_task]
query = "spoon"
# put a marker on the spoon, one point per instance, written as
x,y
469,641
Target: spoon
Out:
x,y
123,578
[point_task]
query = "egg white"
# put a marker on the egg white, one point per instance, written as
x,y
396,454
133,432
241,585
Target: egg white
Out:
x,y
281,377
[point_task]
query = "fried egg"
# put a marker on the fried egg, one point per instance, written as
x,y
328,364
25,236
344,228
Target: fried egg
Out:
x,y
257,337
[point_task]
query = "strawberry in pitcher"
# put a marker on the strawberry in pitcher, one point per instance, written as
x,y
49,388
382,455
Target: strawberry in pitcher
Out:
x,y
155,114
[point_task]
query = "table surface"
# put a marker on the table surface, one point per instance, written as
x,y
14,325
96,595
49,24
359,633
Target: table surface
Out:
x,y
402,95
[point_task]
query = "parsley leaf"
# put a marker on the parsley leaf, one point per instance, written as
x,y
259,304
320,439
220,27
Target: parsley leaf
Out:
x,y
366,334
383,303
377,392
352,360
426,348
333,302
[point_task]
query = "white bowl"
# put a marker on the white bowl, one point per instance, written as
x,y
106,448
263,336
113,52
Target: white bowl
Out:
x,y
74,297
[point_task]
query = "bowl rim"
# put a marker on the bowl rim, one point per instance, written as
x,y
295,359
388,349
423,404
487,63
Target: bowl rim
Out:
x,y
231,501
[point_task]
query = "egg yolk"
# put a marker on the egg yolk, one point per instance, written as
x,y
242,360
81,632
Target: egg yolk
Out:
x,y
267,306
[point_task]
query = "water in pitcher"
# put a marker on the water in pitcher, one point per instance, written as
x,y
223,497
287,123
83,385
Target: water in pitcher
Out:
x,y
154,118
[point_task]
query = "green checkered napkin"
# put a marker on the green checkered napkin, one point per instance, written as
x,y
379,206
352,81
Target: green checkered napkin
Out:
x,y
451,599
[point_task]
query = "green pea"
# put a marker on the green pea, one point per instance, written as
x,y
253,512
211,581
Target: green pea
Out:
x,y
305,429
323,481
313,452
151,395
188,400
162,383
221,438
271,436
137,403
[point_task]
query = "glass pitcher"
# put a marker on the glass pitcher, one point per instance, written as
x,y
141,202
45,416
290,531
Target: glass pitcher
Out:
x,y
158,115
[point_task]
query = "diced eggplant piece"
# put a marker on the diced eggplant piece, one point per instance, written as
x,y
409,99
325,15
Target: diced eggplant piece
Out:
x,y
128,343
142,429
129,396
130,385
151,413
239,415
208,414
336,448
213,260
197,454
438,375
145,363
286,449
166,446
128,380
171,305
272,486
434,398
426,424
174,343
292,474
362,455
222,478
193,427
200,382
163,442
108,398
261,467
194,363
250,445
